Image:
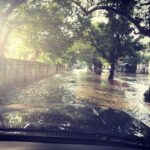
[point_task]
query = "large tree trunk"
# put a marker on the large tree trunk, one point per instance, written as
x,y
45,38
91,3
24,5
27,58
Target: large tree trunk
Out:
x,y
114,57
112,70
97,66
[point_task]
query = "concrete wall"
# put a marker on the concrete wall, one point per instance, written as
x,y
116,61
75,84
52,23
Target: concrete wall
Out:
x,y
19,72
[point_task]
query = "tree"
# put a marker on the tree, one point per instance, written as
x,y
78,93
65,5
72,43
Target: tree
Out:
x,y
42,29
7,7
137,12
46,30
113,40
6,11
81,50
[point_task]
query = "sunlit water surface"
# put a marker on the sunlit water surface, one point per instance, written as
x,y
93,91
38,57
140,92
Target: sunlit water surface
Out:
x,y
83,87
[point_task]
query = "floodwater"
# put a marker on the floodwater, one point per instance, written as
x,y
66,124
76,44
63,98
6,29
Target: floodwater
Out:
x,y
83,87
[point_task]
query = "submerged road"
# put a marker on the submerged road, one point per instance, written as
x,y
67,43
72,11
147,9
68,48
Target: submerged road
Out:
x,y
83,87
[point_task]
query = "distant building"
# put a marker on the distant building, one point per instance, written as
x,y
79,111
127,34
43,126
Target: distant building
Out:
x,y
143,68
126,68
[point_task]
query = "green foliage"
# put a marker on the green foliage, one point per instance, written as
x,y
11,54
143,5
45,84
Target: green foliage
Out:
x,y
144,56
135,11
81,50
133,59
45,57
47,29
103,61
42,29
57,31
114,40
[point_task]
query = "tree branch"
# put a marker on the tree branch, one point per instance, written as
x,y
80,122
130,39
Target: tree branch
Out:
x,y
78,3
13,6
142,30
143,4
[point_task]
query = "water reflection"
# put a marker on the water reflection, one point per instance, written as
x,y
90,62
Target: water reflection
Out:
x,y
80,87
118,94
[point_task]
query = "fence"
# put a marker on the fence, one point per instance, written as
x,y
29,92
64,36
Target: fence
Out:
x,y
18,72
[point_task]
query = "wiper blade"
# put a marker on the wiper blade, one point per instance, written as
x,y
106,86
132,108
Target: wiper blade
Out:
x,y
72,137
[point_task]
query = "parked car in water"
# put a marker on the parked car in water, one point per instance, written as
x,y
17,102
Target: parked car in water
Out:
x,y
126,68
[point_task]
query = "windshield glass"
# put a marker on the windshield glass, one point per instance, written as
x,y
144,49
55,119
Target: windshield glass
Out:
x,y
75,65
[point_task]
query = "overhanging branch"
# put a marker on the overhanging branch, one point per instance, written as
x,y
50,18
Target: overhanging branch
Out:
x,y
143,30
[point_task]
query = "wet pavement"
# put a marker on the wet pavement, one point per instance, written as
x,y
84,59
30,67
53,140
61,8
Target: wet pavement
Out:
x,y
81,87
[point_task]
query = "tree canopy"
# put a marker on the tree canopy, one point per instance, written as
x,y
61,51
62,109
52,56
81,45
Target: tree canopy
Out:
x,y
135,11
114,40
58,31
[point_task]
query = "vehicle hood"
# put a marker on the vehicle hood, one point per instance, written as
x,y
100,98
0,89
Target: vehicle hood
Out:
x,y
78,118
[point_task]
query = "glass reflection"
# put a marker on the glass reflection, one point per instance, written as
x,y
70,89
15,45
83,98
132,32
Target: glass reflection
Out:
x,y
76,118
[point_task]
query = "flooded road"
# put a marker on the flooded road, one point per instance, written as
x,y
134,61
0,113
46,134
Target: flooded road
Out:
x,y
138,82
83,87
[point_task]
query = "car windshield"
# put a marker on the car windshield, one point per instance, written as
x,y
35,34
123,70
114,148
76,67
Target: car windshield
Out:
x,y
80,66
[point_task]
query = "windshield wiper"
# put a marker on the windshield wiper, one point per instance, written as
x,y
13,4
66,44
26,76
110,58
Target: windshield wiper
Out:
x,y
72,137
